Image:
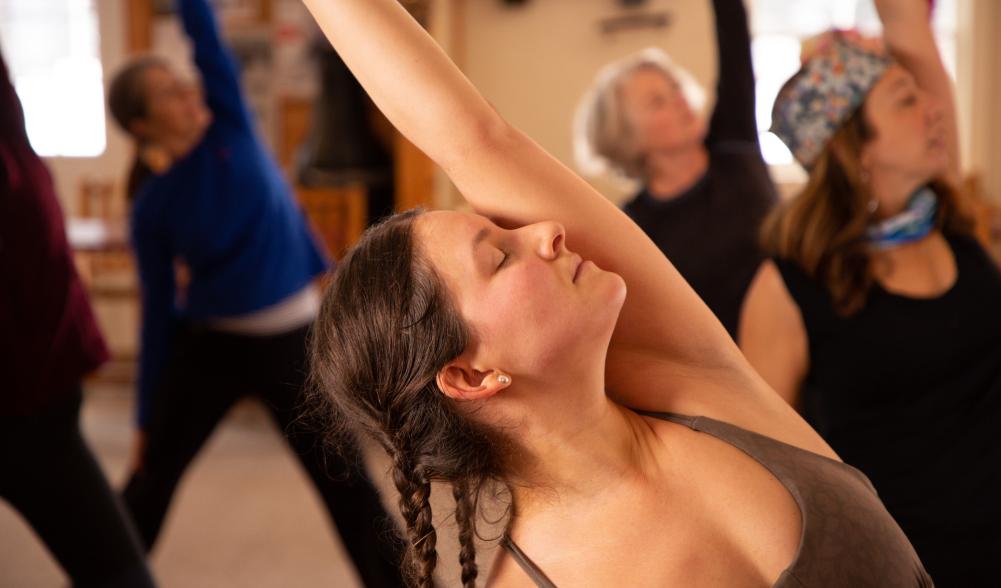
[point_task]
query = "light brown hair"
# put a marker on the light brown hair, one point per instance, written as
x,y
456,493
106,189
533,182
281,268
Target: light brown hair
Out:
x,y
823,228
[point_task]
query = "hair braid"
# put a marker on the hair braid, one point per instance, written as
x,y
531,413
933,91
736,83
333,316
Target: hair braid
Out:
x,y
465,513
387,327
415,506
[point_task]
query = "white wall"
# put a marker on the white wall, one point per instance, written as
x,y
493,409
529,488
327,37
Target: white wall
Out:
x,y
533,62
978,87
69,172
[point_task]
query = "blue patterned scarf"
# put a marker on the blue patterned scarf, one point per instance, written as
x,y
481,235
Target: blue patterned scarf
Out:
x,y
911,224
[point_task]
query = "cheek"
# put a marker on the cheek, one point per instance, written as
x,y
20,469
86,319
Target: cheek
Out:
x,y
895,145
674,126
527,315
526,295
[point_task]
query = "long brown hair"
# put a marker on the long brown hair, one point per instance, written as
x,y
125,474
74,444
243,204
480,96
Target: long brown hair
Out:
x,y
127,102
387,326
823,228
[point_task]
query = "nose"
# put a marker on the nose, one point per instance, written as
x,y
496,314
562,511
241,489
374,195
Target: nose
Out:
x,y
550,239
933,109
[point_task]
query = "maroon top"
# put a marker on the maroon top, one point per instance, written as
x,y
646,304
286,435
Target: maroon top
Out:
x,y
48,336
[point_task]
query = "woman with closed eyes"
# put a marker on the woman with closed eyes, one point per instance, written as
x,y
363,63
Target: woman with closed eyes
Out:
x,y
546,345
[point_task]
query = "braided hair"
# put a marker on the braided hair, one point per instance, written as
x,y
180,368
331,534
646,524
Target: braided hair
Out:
x,y
386,327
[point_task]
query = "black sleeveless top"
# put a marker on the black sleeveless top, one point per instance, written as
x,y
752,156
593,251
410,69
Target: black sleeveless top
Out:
x,y
710,231
909,391
848,539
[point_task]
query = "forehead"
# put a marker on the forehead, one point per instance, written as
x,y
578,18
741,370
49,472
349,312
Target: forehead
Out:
x,y
446,237
448,225
158,79
648,78
158,75
896,79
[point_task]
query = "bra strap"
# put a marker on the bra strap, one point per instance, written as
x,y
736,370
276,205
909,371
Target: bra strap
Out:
x,y
688,421
533,571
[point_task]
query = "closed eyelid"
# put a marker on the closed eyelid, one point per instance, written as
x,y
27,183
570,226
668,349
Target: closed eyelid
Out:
x,y
499,248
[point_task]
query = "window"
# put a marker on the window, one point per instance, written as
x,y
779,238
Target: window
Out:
x,y
778,27
52,50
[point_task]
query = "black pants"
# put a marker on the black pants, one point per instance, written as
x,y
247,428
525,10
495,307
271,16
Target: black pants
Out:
x,y
208,372
50,476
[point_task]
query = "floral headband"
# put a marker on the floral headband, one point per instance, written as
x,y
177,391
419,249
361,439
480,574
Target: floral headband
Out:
x,y
839,68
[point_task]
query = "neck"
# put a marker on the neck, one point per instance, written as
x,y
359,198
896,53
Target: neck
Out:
x,y
580,454
671,173
893,188
160,155
157,158
886,259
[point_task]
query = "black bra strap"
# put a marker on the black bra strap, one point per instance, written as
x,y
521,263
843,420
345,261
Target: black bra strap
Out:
x,y
533,571
688,421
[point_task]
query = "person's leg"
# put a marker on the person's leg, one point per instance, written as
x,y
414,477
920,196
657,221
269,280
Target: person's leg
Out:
x,y
201,384
352,500
52,479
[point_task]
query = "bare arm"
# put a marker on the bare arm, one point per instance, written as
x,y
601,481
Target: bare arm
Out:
x,y
909,38
506,176
772,335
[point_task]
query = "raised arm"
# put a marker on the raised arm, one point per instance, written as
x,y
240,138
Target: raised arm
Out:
x,y
156,274
506,176
220,76
908,35
733,116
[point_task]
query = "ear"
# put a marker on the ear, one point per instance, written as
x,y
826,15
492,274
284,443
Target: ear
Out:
x,y
140,128
460,381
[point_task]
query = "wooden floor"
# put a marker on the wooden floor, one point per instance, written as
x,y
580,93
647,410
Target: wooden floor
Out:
x,y
245,514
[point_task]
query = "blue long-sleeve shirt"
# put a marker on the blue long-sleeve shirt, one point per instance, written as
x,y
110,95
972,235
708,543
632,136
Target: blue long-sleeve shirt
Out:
x,y
224,209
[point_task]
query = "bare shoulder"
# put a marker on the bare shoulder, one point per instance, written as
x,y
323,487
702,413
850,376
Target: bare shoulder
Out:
x,y
772,334
708,515
768,296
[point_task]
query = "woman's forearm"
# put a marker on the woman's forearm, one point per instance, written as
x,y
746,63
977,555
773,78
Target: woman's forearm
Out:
x,y
407,75
733,116
505,175
907,31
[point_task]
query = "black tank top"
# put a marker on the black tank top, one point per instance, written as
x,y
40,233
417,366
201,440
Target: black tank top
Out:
x,y
909,391
848,538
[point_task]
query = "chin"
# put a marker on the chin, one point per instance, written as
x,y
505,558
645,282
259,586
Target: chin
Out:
x,y
614,292
620,289
937,162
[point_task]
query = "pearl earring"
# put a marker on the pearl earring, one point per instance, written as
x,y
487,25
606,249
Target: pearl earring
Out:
x,y
504,379
872,205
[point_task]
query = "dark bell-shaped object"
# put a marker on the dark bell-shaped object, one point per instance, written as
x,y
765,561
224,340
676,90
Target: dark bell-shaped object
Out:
x,y
342,147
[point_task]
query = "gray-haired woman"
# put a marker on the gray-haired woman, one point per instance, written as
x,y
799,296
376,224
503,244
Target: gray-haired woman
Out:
x,y
705,191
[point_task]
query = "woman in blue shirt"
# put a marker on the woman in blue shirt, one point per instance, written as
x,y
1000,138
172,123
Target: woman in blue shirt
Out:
x,y
209,197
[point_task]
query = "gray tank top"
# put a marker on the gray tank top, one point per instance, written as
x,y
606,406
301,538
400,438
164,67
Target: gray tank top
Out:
x,y
848,537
